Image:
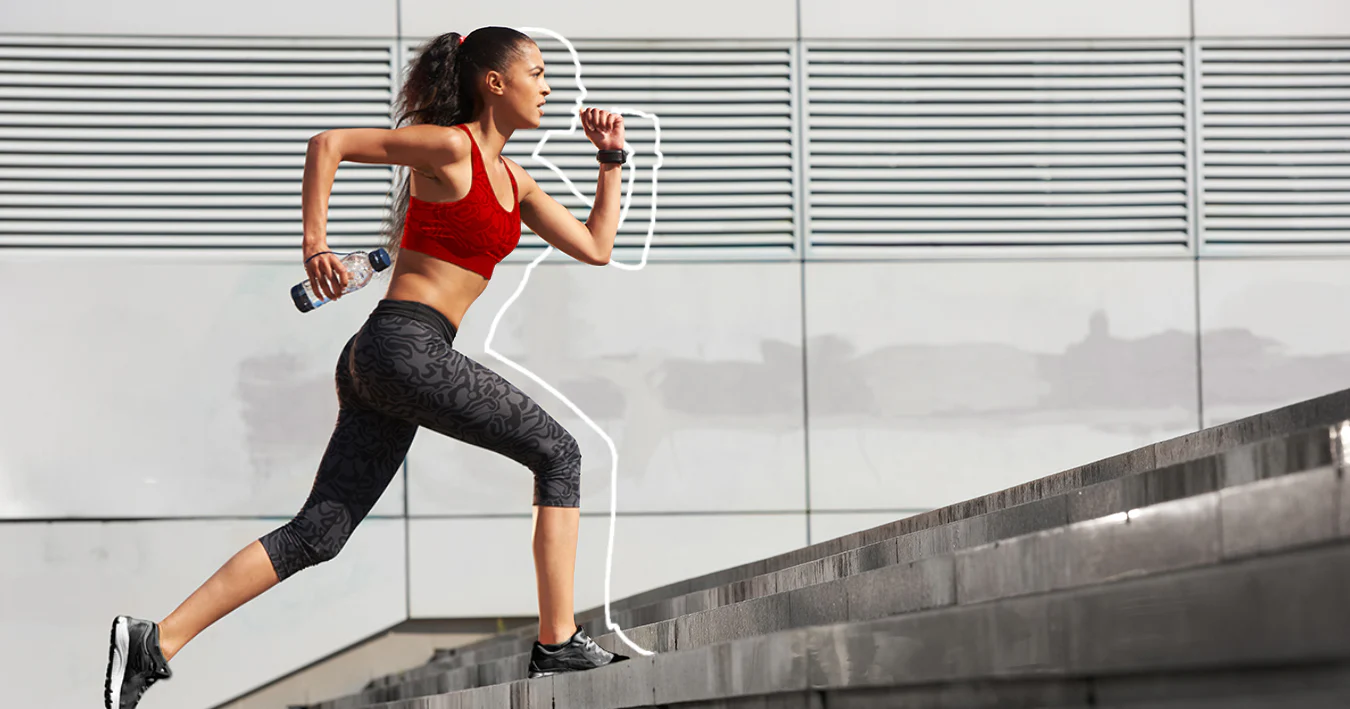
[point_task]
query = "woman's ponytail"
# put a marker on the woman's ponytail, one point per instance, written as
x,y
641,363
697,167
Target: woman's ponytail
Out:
x,y
439,88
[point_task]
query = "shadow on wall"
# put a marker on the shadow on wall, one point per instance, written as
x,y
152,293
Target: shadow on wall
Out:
x,y
1243,369
1102,382
279,395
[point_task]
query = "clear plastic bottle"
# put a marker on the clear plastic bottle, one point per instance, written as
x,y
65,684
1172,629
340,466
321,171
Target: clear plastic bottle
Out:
x,y
361,267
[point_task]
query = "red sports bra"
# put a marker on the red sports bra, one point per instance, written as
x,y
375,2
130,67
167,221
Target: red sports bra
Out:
x,y
473,231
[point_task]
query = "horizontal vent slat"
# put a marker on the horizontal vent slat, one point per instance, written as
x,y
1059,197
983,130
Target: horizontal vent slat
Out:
x,y
1273,223
1046,160
822,123
1008,68
827,188
1003,238
977,137
978,201
997,84
1341,209
898,109
969,214
828,57
844,170
187,96
52,84
170,56
188,142
303,111
1001,225
1275,129
1030,147
992,96
196,69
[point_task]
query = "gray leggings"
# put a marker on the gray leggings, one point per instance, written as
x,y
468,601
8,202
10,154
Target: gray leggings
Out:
x,y
398,372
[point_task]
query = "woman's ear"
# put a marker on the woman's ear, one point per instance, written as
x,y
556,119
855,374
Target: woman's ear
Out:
x,y
496,82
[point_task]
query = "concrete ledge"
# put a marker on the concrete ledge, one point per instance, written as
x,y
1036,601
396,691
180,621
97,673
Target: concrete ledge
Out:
x,y
629,683
982,551
742,620
822,604
1155,589
1172,535
1120,489
1233,614
903,588
1325,410
1280,513
761,665
1273,514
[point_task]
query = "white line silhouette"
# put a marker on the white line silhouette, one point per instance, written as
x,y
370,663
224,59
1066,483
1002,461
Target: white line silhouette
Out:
x,y
646,247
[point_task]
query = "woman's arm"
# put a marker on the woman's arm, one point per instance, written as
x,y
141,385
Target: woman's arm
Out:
x,y
592,242
419,146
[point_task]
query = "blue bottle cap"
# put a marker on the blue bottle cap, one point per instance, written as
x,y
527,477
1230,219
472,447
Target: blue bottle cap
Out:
x,y
301,300
379,259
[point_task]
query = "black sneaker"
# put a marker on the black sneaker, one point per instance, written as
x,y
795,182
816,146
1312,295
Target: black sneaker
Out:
x,y
134,662
578,653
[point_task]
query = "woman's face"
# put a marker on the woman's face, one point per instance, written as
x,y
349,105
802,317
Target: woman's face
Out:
x,y
525,88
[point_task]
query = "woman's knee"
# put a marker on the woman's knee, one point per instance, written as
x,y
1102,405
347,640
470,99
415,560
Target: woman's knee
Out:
x,y
557,482
315,535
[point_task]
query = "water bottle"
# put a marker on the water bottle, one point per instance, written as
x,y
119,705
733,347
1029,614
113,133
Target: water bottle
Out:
x,y
360,268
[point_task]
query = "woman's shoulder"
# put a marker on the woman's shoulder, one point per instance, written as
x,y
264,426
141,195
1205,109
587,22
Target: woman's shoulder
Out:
x,y
457,137
448,143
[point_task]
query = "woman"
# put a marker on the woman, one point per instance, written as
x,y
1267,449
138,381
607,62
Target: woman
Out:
x,y
457,216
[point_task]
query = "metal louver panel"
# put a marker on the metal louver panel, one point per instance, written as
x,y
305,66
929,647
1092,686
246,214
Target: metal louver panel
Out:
x,y
996,146
726,133
1275,129
183,142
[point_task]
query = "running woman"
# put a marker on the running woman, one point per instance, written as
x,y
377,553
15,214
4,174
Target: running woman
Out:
x,y
456,216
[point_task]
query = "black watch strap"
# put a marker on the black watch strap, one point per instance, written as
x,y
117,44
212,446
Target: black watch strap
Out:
x,y
612,156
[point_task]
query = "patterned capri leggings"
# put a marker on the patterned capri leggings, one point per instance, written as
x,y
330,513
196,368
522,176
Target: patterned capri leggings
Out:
x,y
398,372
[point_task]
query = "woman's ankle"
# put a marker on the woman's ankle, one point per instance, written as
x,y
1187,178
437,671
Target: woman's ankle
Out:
x,y
168,645
556,635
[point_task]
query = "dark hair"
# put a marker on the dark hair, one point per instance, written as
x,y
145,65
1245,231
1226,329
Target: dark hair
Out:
x,y
440,88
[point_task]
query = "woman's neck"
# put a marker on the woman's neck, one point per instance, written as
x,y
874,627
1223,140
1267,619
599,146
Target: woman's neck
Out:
x,y
490,135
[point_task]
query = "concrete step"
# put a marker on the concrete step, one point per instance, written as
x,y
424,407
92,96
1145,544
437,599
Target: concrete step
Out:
x,y
1200,528
1266,445
1231,582
1241,463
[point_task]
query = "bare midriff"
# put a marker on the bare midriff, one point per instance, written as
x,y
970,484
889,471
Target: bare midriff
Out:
x,y
444,286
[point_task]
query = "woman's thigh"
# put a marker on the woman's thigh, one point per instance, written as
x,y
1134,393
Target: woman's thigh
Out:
x,y
405,371
478,406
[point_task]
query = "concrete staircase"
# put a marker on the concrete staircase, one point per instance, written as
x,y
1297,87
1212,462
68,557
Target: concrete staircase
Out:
x,y
1211,570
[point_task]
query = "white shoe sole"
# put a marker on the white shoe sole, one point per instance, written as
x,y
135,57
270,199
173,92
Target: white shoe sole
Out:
x,y
117,663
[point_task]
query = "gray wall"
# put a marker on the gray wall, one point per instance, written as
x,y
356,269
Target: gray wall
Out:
x,y
167,406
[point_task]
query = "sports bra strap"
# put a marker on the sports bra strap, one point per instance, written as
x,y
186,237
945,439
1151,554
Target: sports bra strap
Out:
x,y
478,160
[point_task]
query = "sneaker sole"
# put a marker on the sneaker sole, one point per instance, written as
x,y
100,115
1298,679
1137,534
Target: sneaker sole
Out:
x,y
118,643
538,674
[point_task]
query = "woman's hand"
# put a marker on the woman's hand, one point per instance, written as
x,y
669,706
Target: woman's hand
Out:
x,y
603,128
327,275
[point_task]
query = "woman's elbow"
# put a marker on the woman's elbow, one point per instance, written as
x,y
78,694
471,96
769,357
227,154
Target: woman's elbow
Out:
x,y
321,144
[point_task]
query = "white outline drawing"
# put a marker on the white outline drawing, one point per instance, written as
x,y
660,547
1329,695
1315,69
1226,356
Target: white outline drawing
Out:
x,y
623,214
